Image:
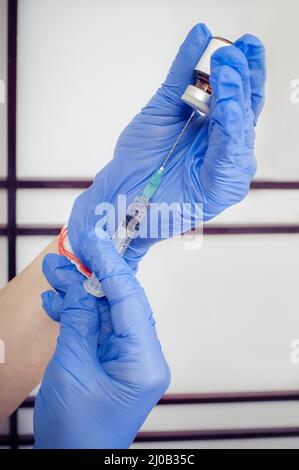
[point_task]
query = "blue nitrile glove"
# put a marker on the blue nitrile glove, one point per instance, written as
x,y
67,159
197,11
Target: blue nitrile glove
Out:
x,y
108,370
214,163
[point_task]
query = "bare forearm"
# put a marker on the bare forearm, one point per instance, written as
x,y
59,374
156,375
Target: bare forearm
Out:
x,y
28,334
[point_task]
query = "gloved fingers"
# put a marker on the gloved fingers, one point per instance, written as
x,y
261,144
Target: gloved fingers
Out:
x,y
106,323
80,319
231,110
130,310
60,272
52,304
230,77
228,159
229,99
229,139
167,101
254,51
228,116
108,351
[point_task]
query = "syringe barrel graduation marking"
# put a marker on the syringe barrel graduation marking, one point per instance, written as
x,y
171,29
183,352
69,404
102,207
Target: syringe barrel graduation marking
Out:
x,y
129,227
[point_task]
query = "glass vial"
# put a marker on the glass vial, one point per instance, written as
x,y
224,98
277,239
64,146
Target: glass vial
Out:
x,y
198,96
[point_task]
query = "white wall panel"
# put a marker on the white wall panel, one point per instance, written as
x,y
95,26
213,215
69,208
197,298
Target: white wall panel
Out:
x,y
278,207
53,206
45,206
25,421
68,116
3,207
228,416
28,248
3,82
3,261
226,313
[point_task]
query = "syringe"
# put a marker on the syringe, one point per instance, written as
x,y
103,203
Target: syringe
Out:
x,y
129,226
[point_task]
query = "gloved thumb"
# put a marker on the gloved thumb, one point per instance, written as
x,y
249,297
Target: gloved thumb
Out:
x,y
79,317
52,304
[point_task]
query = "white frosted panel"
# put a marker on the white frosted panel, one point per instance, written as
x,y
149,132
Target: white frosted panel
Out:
x,y
45,206
53,206
28,248
75,120
25,421
280,443
3,261
225,313
228,416
3,207
3,82
263,207
78,87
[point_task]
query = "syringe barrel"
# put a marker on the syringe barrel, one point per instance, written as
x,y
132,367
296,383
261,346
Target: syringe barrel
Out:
x,y
125,233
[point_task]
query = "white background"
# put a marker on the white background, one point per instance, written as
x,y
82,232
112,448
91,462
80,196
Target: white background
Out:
x,y
226,314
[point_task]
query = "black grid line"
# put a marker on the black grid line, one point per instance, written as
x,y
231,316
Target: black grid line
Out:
x,y
269,396
194,435
37,230
12,163
12,230
11,134
209,230
217,434
40,183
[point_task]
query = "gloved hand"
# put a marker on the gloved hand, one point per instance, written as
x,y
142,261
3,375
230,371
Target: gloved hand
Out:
x,y
108,370
214,163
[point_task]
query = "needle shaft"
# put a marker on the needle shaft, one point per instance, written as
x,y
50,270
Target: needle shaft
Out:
x,y
178,139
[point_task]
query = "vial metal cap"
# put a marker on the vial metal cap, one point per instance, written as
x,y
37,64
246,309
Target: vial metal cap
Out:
x,y
195,97
198,99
